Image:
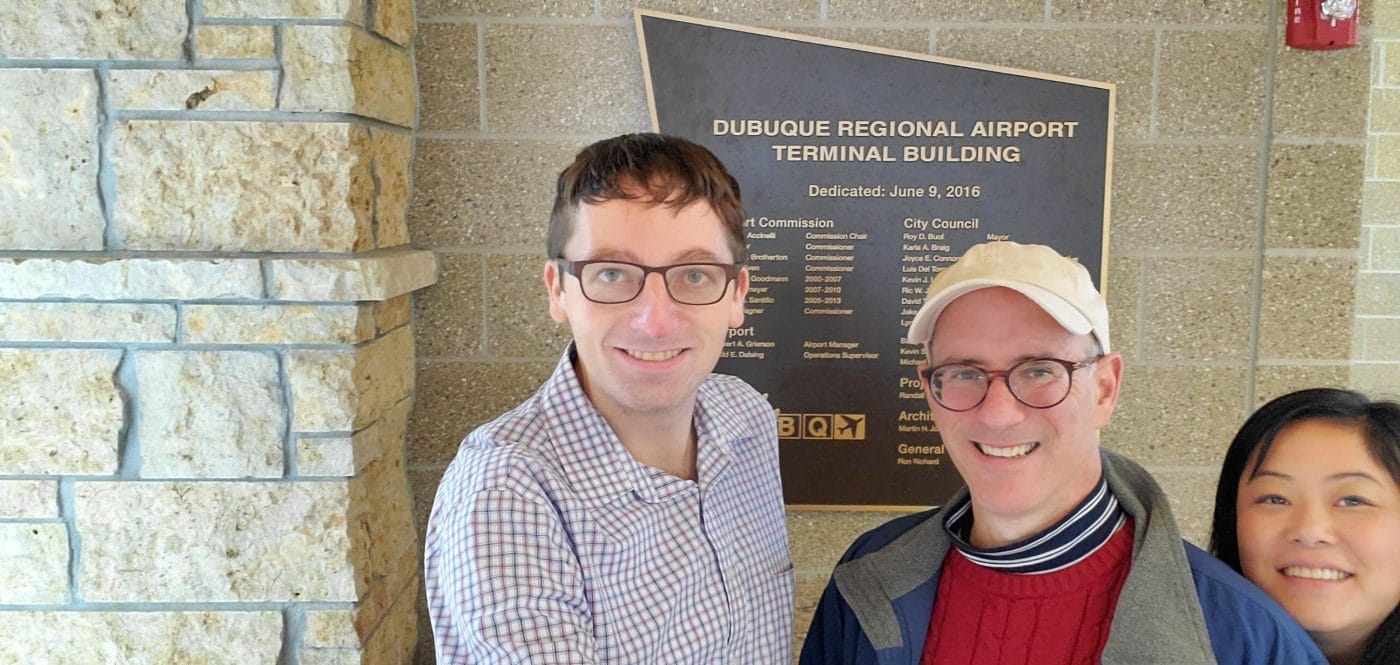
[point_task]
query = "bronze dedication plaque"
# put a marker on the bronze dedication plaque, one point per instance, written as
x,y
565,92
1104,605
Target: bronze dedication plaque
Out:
x,y
865,172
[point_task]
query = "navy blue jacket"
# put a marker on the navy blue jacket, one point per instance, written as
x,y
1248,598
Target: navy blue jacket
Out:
x,y
1178,605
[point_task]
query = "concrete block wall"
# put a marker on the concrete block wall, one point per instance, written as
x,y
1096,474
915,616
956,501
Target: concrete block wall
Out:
x,y
207,357
1377,348
1244,262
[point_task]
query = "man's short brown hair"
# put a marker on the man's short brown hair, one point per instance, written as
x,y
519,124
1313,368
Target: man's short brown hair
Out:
x,y
656,168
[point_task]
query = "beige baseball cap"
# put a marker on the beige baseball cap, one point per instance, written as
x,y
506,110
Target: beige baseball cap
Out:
x,y
1060,285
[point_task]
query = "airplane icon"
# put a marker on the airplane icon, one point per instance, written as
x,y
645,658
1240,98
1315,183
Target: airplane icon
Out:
x,y
850,426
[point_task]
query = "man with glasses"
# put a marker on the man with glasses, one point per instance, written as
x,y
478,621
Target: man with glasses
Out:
x,y
630,511
1055,551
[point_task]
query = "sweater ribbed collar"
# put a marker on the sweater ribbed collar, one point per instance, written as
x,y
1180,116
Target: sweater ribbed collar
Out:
x,y
1077,535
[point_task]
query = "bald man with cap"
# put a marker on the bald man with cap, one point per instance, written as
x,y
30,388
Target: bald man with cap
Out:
x,y
1055,551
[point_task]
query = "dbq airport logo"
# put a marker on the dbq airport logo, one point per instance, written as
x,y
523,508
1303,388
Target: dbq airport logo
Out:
x,y
822,426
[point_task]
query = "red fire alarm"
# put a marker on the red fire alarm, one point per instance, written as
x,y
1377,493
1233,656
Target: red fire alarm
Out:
x,y
1321,24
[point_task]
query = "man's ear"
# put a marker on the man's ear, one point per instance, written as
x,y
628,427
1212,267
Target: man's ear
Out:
x,y
736,301
1108,381
919,369
554,285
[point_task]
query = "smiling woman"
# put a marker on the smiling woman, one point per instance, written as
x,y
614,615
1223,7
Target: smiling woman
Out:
x,y
1308,508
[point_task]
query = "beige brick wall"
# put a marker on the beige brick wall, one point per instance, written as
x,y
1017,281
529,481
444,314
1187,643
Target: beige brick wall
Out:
x,y
1241,267
1377,341
206,349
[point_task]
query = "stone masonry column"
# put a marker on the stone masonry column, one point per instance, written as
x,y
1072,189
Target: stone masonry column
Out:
x,y
206,345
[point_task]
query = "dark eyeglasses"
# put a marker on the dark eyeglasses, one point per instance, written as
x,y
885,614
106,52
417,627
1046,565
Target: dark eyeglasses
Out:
x,y
614,282
1039,383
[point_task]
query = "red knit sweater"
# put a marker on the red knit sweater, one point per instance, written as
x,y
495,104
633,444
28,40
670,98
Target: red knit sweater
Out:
x,y
986,617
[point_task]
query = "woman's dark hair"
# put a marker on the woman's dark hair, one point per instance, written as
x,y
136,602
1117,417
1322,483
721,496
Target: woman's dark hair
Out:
x,y
1379,424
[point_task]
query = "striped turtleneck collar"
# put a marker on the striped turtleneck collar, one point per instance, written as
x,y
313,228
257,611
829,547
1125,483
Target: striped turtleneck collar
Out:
x,y
1080,533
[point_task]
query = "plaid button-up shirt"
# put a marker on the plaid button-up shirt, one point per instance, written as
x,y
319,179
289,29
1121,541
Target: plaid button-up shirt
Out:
x,y
549,543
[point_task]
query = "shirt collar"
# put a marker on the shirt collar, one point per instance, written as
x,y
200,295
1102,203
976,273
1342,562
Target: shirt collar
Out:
x,y
1077,535
716,423
594,460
